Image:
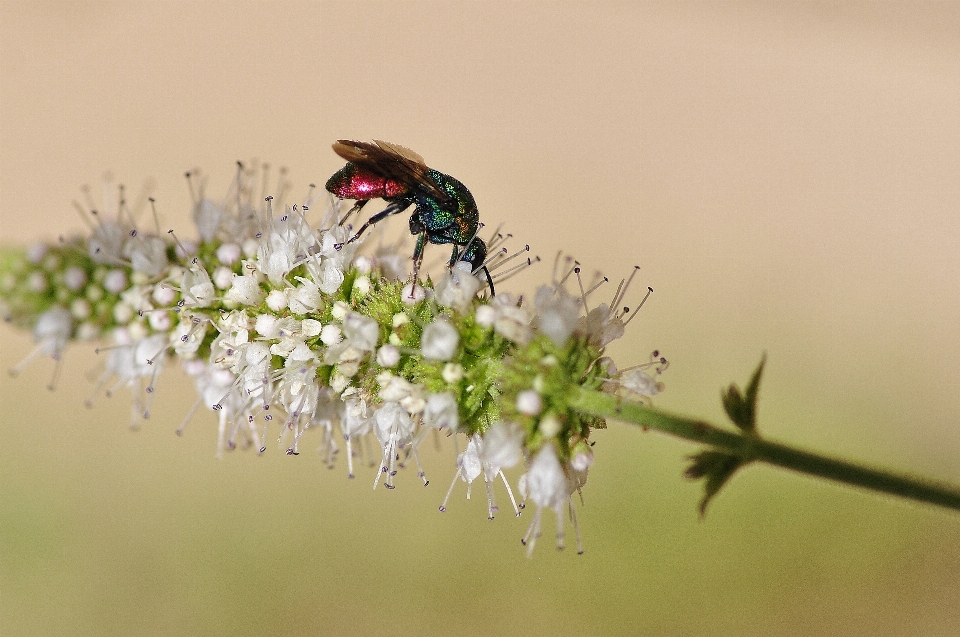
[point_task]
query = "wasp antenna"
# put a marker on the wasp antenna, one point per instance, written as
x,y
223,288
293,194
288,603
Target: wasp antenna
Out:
x,y
637,311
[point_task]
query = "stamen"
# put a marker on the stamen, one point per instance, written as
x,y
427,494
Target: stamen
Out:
x,y
509,274
57,367
495,264
583,296
637,311
453,483
193,193
186,419
156,218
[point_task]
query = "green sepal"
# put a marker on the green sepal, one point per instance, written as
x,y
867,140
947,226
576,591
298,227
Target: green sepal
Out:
x,y
741,407
717,467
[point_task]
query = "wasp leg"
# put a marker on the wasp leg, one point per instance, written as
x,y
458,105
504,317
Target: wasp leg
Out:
x,y
489,280
417,260
393,209
457,255
356,208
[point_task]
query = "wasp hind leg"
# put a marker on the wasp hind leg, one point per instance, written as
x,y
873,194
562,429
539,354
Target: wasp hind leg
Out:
x,y
393,209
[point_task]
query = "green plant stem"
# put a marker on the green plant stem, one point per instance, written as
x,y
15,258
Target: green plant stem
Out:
x,y
753,448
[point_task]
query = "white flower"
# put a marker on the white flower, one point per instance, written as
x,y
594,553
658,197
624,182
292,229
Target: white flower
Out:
x,y
330,277
36,252
52,330
80,309
457,288
441,410
74,278
394,429
245,290
361,331
452,373
207,216
223,277
276,256
354,423
502,447
160,321
106,243
601,325
188,336
37,282
396,388
439,341
267,325
310,328
388,355
529,402
277,300
196,288
549,426
331,334
639,382
546,485
508,319
148,256
305,298
161,294
361,286
413,294
228,253
557,313
115,281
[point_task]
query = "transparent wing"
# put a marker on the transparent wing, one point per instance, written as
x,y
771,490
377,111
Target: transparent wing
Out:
x,y
391,161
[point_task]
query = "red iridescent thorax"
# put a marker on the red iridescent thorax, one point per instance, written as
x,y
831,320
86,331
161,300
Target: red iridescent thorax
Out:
x,y
353,182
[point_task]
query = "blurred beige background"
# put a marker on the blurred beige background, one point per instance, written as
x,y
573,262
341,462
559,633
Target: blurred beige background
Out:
x,y
786,175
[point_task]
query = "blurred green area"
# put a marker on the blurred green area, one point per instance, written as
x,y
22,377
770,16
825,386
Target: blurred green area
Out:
x,y
107,531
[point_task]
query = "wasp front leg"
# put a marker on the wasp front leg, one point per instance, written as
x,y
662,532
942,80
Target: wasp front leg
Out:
x,y
417,260
356,208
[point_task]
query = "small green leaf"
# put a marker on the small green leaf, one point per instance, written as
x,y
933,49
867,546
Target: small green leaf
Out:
x,y
742,408
717,467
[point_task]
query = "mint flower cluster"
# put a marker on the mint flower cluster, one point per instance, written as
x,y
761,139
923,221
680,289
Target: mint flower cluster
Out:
x,y
286,327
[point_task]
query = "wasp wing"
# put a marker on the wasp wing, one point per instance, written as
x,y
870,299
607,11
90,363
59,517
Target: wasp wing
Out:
x,y
392,161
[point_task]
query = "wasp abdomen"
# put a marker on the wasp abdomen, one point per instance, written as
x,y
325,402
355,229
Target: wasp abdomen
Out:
x,y
353,182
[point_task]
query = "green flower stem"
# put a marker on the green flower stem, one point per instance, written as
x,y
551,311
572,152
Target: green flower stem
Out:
x,y
753,448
